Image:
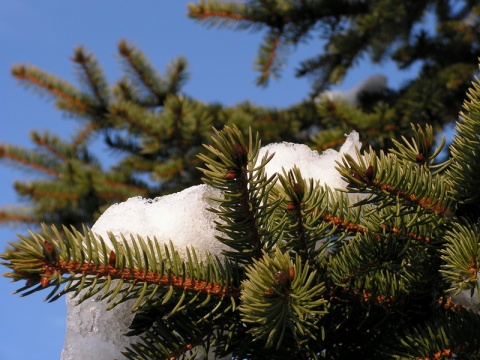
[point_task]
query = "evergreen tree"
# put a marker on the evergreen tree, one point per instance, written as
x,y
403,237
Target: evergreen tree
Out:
x,y
443,36
382,289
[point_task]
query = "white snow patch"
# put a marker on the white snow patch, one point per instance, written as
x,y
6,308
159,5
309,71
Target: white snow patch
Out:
x,y
181,217
95,333
312,164
374,84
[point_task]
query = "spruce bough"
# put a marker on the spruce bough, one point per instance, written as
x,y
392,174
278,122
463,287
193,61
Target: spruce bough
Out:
x,y
312,271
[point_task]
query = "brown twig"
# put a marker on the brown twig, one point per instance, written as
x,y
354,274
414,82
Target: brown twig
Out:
x,y
7,154
136,275
22,74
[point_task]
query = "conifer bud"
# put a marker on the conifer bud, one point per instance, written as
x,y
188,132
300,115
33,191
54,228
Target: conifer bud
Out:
x,y
231,174
370,173
282,279
112,259
240,154
299,190
49,252
45,280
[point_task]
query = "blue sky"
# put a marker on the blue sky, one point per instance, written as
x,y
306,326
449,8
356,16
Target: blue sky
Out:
x,y
44,33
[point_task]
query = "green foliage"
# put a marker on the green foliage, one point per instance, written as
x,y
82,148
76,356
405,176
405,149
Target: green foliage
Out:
x,y
462,256
77,261
310,272
350,30
441,37
438,338
384,175
306,204
144,272
420,150
245,213
330,265
153,130
279,296
465,150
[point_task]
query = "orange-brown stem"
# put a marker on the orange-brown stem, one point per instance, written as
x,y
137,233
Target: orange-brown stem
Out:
x,y
136,275
271,56
330,144
82,135
344,224
410,235
349,226
221,14
126,186
40,142
338,294
423,202
5,153
56,195
22,74
5,217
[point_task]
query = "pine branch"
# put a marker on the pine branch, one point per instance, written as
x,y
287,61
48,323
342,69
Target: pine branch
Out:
x,y
452,334
45,190
269,60
342,53
83,135
104,189
81,261
50,143
152,274
295,284
176,75
29,159
245,212
398,182
233,14
91,75
462,256
420,149
47,84
131,188
124,90
187,334
376,125
382,260
310,215
403,229
143,75
372,264
140,120
324,140
318,219
463,173
17,215
126,144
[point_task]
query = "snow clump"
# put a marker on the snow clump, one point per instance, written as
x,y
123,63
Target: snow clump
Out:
x,y
95,333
